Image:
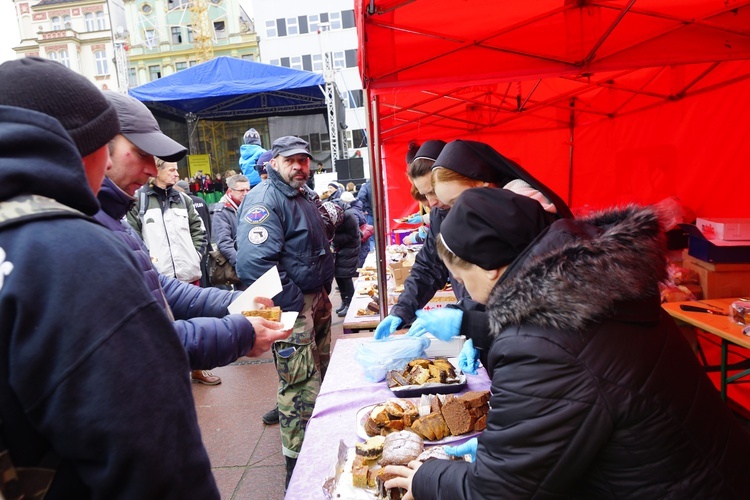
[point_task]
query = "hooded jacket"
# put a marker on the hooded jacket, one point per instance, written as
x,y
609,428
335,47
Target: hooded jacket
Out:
x,y
249,154
210,337
172,231
595,392
281,226
73,354
346,242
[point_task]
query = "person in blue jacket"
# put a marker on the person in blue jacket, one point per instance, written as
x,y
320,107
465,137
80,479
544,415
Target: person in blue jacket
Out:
x,y
250,151
94,393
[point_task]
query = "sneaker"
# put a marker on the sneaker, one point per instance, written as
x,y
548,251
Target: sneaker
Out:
x,y
205,377
272,417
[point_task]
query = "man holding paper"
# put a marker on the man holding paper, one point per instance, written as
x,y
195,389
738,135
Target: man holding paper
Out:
x,y
281,225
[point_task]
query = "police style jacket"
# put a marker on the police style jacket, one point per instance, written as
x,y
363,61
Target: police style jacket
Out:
x,y
280,226
173,232
595,392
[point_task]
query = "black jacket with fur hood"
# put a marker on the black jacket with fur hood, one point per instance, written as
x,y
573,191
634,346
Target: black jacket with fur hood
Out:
x,y
595,393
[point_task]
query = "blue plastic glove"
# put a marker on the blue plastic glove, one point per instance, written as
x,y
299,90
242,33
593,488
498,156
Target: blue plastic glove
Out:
x,y
422,232
415,219
467,358
468,448
386,327
443,323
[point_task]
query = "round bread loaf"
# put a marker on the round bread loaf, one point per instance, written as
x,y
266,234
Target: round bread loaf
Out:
x,y
400,448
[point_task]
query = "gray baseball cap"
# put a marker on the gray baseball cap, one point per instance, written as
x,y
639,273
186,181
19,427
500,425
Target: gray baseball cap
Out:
x,y
140,127
288,146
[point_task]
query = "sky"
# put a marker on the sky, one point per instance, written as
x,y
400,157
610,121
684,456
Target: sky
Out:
x,y
8,30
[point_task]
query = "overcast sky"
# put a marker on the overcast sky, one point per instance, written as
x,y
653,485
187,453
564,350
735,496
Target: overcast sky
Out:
x,y
8,30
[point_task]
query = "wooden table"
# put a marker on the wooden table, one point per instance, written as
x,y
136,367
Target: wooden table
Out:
x,y
721,326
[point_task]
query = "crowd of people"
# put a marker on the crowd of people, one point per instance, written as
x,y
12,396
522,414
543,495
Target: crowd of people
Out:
x,y
104,257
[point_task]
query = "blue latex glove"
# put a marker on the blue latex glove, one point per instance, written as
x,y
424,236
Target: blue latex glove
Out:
x,y
422,232
386,327
443,323
467,358
468,448
415,219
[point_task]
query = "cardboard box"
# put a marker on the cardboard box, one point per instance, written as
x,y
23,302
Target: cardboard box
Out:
x,y
720,280
715,250
724,229
400,270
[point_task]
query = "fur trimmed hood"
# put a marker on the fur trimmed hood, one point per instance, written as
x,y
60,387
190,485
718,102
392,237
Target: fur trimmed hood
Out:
x,y
583,270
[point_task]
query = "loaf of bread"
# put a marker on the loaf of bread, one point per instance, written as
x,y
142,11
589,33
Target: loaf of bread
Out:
x,y
457,416
400,448
272,313
431,427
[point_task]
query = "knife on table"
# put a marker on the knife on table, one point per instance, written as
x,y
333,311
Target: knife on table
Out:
x,y
686,307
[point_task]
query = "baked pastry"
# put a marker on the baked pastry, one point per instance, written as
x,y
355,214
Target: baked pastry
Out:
x,y
434,452
272,313
400,448
431,427
387,494
457,416
371,449
475,399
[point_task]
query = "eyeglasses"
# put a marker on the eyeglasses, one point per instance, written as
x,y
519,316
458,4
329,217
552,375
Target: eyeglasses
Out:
x,y
246,190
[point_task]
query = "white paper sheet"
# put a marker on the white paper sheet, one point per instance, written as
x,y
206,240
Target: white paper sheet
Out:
x,y
268,285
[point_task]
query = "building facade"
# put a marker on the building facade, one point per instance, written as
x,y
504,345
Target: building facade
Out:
x,y
297,34
165,36
76,33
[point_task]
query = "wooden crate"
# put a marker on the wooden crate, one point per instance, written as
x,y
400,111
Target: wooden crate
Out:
x,y
719,280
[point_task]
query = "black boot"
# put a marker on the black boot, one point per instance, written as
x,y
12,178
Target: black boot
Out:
x,y
343,306
343,310
271,417
290,463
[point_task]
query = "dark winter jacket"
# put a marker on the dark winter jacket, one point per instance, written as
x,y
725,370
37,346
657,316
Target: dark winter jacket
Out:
x,y
346,244
88,366
595,393
225,230
365,196
428,275
280,226
210,336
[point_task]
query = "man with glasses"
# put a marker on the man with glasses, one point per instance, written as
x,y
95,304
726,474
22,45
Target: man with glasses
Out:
x,y
224,218
281,225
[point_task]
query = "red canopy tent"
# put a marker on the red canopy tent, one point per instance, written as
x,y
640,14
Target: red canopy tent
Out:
x,y
606,101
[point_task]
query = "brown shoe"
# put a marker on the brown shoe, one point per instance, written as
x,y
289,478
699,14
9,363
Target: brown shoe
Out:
x,y
205,377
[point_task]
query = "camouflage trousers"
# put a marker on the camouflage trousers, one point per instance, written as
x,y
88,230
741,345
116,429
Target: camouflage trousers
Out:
x,y
301,361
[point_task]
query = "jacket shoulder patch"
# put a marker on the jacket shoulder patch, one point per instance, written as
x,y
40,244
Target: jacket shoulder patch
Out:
x,y
257,235
257,214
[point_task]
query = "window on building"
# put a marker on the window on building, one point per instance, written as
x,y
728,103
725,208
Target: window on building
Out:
x,y
284,61
351,58
102,68
154,73
132,77
324,17
347,19
274,62
56,23
147,9
313,21
179,66
192,63
359,138
66,21
325,142
291,26
349,142
176,35
281,27
307,62
295,62
150,38
271,28
101,20
248,57
339,62
335,20
190,35
52,56
90,22
302,20
317,62
355,99
220,29
314,142
64,59
177,3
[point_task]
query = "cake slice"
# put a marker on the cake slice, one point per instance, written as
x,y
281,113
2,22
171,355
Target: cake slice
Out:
x,y
272,313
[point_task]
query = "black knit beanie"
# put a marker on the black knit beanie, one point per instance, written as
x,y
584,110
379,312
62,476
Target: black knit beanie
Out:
x,y
50,88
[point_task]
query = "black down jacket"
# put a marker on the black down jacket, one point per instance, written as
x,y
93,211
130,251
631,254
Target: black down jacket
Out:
x,y
346,243
595,392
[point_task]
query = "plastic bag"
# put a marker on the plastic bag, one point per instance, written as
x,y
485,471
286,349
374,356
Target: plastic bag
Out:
x,y
378,357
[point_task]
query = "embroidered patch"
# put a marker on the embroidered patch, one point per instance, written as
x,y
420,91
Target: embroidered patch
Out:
x,y
257,235
257,214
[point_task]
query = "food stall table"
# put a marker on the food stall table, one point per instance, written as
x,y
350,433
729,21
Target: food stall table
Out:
x,y
721,326
344,391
